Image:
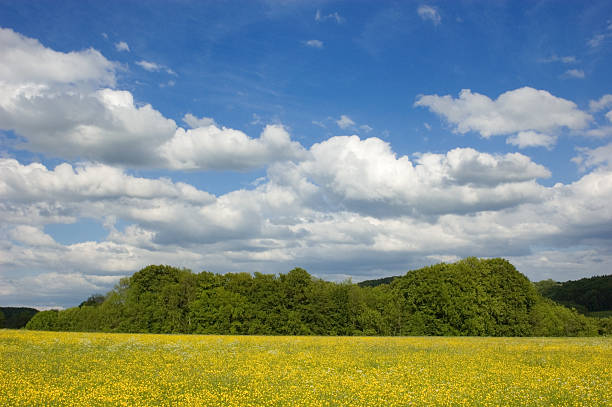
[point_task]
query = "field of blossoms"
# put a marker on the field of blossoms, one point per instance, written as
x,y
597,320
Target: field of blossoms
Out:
x,y
77,369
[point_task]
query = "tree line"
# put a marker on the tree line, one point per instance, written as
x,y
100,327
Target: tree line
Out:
x,y
476,297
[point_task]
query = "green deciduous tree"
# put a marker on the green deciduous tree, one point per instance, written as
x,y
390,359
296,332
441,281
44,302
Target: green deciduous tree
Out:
x,y
469,297
44,321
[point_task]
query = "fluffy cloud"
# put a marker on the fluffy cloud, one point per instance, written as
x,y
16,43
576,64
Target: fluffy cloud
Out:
x,y
165,211
25,62
561,215
82,191
105,125
365,176
214,148
343,173
60,105
531,139
581,209
108,126
524,109
429,13
54,101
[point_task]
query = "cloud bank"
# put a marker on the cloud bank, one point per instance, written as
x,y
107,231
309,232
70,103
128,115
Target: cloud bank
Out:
x,y
344,206
351,204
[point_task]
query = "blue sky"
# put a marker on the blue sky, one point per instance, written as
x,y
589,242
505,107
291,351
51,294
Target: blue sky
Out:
x,y
354,139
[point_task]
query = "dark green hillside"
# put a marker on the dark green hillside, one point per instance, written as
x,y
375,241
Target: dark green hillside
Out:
x,y
377,282
16,317
469,297
587,295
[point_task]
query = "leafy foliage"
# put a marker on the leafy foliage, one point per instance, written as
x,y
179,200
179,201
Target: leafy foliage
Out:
x,y
45,321
471,297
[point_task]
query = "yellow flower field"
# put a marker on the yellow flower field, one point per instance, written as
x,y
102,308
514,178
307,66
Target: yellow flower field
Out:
x,y
77,369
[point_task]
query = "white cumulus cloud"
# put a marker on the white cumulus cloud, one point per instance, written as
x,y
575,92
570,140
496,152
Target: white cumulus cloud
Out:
x,y
33,182
365,175
105,125
25,61
62,106
211,147
523,109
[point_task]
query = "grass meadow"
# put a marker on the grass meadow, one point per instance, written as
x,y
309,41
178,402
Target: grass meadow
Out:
x,y
79,369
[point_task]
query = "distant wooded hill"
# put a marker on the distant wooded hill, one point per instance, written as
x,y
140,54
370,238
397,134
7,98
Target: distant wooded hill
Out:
x,y
589,296
377,282
15,317
470,297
